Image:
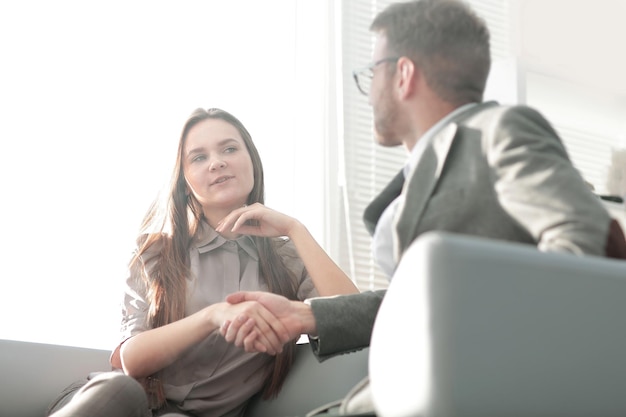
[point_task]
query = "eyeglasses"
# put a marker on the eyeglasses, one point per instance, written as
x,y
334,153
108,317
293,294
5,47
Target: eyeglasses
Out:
x,y
363,76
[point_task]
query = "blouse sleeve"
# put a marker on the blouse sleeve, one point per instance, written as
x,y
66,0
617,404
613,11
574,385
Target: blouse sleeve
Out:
x,y
135,305
134,309
287,251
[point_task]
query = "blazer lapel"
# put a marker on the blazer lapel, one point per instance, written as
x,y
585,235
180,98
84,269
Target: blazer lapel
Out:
x,y
375,208
419,187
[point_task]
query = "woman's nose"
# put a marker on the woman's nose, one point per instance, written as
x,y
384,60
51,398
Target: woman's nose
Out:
x,y
217,163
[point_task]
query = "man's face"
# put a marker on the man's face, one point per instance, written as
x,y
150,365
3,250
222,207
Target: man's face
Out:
x,y
382,98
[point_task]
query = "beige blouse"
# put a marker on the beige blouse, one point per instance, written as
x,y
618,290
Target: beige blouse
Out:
x,y
214,378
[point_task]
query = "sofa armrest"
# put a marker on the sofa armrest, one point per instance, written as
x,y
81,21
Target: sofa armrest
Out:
x,y
34,374
500,329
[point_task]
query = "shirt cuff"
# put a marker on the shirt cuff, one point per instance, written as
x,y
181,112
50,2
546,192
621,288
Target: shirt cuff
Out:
x,y
313,340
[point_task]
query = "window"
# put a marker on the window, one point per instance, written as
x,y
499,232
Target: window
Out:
x,y
94,95
367,167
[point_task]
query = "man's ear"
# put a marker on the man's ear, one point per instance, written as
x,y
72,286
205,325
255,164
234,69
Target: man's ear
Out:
x,y
407,77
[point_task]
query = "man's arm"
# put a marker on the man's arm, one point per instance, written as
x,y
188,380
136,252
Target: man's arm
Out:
x,y
344,323
341,323
289,320
538,185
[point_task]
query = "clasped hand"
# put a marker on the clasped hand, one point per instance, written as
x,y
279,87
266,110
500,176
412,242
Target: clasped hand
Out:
x,y
268,331
275,320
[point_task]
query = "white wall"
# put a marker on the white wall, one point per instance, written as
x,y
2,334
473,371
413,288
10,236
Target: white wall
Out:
x,y
92,99
573,65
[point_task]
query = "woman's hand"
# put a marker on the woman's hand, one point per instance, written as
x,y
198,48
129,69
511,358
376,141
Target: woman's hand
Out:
x,y
257,220
263,332
292,317
154,349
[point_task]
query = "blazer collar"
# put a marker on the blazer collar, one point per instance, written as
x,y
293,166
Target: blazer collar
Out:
x,y
420,185
375,208
424,177
441,144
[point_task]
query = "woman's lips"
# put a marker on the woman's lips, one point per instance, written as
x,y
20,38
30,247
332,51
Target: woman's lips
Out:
x,y
222,179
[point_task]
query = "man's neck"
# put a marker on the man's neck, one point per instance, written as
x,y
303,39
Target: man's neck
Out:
x,y
425,116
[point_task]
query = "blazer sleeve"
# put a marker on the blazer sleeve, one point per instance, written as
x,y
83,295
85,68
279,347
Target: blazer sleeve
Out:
x,y
540,188
344,323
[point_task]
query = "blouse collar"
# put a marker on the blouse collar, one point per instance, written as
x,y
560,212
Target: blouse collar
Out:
x,y
207,239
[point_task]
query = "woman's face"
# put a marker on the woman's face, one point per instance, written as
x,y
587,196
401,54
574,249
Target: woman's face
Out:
x,y
217,167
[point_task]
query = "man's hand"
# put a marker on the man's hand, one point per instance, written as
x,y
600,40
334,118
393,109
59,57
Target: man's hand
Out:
x,y
290,320
265,333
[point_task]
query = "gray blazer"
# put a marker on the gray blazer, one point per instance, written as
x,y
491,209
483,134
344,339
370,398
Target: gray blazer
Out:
x,y
495,171
503,173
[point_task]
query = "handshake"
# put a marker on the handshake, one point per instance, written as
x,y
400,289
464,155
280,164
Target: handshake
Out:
x,y
265,322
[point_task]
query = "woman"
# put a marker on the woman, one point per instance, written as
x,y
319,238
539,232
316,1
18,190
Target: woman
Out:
x,y
187,261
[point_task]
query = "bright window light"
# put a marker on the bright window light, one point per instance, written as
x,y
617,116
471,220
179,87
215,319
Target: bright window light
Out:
x,y
92,99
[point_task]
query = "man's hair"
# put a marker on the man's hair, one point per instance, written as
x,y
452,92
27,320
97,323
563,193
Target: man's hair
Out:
x,y
445,39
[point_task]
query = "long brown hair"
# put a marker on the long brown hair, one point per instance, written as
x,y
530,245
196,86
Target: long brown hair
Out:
x,y
171,224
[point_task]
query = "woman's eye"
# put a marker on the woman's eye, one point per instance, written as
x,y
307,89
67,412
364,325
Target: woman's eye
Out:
x,y
198,158
230,149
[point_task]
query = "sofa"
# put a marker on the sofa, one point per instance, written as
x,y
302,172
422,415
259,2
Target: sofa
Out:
x,y
33,374
469,327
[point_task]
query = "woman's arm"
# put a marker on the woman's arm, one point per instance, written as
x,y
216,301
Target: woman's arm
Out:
x,y
328,278
152,350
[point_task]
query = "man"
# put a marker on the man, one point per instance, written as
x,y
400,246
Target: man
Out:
x,y
474,168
